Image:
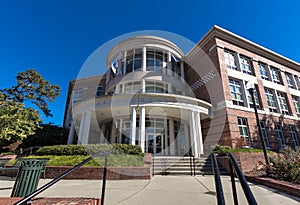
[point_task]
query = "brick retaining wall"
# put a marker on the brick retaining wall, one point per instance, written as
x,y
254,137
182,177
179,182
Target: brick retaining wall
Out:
x,y
113,173
247,161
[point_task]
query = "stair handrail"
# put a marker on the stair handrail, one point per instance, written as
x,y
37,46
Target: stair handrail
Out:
x,y
26,200
218,183
232,165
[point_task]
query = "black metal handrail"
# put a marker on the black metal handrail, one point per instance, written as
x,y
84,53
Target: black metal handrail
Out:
x,y
219,189
27,200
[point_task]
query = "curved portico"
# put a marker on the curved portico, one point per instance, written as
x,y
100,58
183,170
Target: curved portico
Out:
x,y
161,124
146,101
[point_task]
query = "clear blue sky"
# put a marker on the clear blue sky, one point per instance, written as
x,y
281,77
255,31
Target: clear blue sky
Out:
x,y
55,37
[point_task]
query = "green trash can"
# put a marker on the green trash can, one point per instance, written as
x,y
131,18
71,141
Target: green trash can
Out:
x,y
28,176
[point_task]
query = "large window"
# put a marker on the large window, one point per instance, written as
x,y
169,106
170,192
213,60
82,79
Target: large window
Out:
x,y
77,95
245,65
156,87
263,71
279,134
99,90
271,100
230,59
256,99
296,104
282,102
264,133
123,129
132,87
289,80
236,92
294,135
133,60
275,75
156,60
244,130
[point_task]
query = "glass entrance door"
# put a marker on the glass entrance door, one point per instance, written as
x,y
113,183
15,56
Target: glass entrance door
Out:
x,y
153,143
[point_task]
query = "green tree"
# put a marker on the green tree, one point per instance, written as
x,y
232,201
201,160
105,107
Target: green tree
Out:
x,y
31,87
16,120
46,135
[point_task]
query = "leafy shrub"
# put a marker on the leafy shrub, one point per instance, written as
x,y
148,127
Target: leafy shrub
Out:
x,y
113,160
90,149
286,166
219,149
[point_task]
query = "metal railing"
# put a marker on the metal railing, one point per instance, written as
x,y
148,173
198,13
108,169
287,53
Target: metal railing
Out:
x,y
218,184
27,200
192,164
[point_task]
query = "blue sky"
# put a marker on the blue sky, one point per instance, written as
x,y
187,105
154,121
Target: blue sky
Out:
x,y
55,37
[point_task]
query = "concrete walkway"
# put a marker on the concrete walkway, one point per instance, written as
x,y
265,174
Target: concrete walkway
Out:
x,y
166,190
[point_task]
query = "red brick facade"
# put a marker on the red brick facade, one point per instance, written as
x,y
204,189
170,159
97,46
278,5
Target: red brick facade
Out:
x,y
223,127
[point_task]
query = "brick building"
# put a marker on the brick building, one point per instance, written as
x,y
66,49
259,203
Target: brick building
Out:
x,y
169,102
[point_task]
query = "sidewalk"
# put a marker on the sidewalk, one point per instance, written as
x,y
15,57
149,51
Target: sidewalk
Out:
x,y
166,190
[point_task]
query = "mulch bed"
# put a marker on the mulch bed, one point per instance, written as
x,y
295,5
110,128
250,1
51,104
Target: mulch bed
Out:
x,y
53,201
287,187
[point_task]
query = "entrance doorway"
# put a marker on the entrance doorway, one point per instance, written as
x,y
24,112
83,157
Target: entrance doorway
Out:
x,y
153,143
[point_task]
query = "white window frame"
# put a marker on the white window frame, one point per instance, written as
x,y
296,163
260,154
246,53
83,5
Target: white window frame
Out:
x,y
290,80
230,59
245,65
293,134
296,102
280,136
156,85
236,101
271,94
132,87
264,67
275,75
77,95
284,108
249,98
244,130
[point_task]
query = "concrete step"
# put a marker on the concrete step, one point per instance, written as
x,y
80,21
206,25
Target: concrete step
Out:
x,y
182,166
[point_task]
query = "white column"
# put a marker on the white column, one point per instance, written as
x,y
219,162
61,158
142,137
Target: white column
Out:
x,y
108,75
199,134
182,71
172,138
113,132
144,59
193,134
164,71
86,130
120,131
143,86
71,133
170,88
142,128
169,66
133,125
186,135
81,128
102,133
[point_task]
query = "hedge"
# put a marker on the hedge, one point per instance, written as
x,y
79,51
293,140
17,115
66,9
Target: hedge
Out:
x,y
89,149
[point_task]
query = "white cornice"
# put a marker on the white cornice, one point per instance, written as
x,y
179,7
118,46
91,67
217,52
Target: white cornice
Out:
x,y
223,34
